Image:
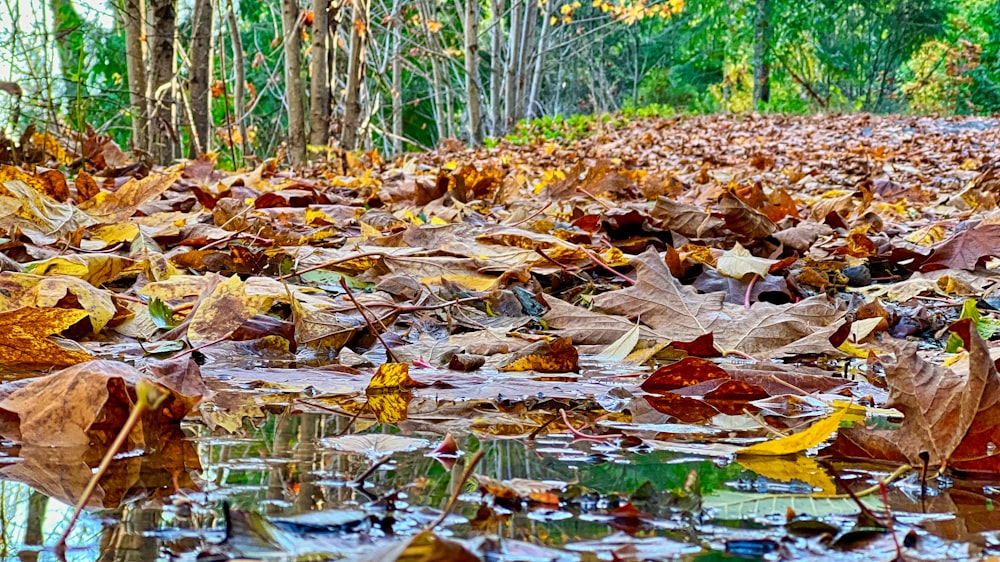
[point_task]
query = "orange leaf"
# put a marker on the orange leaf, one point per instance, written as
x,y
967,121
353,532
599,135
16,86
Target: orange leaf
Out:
x,y
24,337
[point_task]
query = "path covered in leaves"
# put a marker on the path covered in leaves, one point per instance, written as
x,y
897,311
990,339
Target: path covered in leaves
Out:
x,y
782,292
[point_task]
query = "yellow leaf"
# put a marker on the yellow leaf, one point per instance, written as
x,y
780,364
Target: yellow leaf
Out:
x,y
739,262
392,377
479,283
369,231
559,357
389,407
25,289
112,234
224,310
24,337
96,269
111,208
798,442
784,469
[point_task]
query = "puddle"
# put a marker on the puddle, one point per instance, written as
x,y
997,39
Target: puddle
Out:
x,y
324,483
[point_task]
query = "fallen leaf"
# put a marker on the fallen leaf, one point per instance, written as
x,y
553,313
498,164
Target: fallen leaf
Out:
x,y
392,377
558,357
24,337
798,442
117,206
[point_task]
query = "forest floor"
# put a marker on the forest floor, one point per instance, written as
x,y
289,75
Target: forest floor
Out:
x,y
761,335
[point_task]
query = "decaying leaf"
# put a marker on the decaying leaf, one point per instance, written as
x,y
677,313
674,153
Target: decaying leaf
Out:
x,y
24,337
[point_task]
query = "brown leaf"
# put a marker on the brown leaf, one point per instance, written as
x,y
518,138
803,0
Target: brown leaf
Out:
x,y
558,357
743,220
110,208
686,372
89,402
86,187
965,249
687,220
24,337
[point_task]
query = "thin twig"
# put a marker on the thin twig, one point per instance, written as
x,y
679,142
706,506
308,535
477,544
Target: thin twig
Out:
x,y
148,397
594,197
332,263
597,261
746,299
371,327
360,480
473,461
578,434
532,215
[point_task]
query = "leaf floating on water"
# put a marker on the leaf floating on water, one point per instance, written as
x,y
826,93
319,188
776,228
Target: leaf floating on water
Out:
x,y
392,377
801,441
558,357
375,446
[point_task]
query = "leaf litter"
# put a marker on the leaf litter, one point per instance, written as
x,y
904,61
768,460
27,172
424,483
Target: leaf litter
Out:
x,y
758,335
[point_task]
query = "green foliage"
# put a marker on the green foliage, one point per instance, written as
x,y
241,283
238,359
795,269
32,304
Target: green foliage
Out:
x,y
161,313
985,326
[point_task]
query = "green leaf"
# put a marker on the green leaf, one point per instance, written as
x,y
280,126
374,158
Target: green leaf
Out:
x,y
985,326
161,313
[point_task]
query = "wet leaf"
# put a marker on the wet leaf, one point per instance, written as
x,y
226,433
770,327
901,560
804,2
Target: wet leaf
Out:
x,y
375,446
24,337
798,442
558,357
392,377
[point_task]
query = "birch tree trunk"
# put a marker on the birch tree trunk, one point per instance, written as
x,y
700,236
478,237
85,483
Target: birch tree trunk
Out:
x,y
355,71
161,79
239,79
293,82
134,14
496,66
536,78
200,76
397,79
527,40
319,88
472,71
513,60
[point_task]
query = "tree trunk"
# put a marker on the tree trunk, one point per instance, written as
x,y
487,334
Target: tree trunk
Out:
x,y
513,60
472,71
397,79
437,86
536,78
134,14
761,67
319,68
239,79
161,79
355,71
527,40
496,66
199,77
293,82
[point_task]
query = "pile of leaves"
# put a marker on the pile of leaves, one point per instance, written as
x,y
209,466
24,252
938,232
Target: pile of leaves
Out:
x,y
778,270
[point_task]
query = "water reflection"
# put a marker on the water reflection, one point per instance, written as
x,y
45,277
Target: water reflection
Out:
x,y
168,503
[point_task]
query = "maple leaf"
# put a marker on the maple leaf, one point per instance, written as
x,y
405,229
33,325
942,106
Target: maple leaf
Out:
x,y
111,208
24,337
965,249
661,302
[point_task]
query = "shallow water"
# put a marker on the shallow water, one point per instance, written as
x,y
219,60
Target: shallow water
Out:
x,y
289,465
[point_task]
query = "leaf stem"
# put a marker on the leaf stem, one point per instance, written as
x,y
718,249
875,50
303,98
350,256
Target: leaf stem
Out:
x,y
371,327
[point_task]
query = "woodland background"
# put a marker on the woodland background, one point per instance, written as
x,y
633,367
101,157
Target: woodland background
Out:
x,y
249,80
